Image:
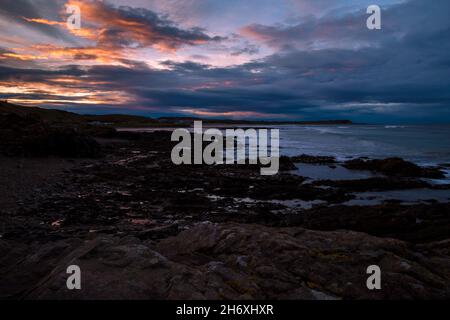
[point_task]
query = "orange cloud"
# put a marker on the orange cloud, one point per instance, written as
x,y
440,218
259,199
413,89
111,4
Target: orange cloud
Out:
x,y
62,91
45,21
115,32
254,32
101,55
88,33
128,27
23,57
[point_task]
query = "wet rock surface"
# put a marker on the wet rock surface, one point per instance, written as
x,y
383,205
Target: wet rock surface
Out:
x,y
141,227
394,167
415,224
375,184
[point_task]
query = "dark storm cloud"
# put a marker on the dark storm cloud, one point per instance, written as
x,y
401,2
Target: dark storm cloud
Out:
x,y
8,73
191,85
412,18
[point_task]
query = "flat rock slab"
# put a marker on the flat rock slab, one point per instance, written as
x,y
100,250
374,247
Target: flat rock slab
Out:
x,y
228,261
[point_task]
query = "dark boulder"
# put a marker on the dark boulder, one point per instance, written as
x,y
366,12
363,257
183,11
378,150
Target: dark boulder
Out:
x,y
304,158
30,136
394,167
286,164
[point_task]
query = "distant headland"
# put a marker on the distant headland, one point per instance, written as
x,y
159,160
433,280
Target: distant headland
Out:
x,y
124,120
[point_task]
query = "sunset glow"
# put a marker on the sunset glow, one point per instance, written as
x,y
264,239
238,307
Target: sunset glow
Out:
x,y
204,57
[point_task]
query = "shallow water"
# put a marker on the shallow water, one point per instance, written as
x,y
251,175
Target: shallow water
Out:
x,y
324,172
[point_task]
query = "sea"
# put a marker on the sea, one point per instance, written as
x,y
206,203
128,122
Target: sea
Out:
x,y
426,145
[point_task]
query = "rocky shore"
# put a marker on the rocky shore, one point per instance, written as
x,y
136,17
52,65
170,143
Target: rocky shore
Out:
x,y
142,228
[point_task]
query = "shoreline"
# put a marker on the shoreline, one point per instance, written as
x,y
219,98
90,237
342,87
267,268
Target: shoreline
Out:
x,y
292,147
134,197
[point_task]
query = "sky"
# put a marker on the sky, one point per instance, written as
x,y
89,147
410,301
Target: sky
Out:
x,y
240,59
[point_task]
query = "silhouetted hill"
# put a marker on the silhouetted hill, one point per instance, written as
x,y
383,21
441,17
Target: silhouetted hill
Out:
x,y
123,120
49,115
65,117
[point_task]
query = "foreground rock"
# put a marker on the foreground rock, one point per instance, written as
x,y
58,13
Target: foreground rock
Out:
x,y
229,261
